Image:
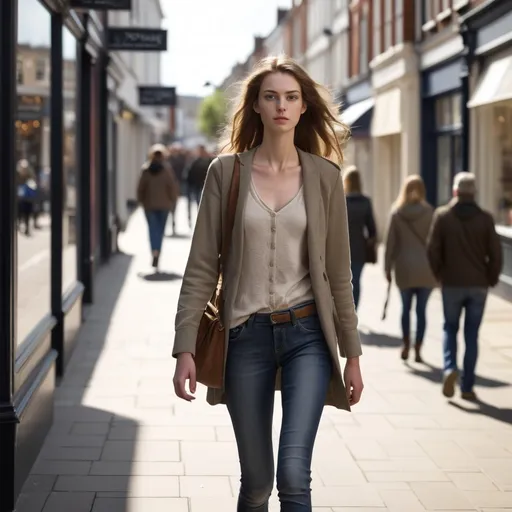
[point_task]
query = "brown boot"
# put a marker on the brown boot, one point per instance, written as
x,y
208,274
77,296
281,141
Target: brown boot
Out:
x,y
417,350
405,349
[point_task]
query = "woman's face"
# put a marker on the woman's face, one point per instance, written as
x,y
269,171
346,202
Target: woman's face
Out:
x,y
280,103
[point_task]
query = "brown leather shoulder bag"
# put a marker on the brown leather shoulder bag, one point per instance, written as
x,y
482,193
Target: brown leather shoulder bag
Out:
x,y
210,343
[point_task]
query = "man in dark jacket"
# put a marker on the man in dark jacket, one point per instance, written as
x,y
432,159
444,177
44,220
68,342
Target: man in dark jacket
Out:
x,y
465,254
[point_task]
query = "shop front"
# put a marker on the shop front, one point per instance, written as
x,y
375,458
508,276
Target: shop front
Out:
x,y
395,125
441,116
50,104
357,109
487,32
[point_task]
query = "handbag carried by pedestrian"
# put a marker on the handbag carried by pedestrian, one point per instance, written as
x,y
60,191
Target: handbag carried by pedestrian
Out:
x,y
211,343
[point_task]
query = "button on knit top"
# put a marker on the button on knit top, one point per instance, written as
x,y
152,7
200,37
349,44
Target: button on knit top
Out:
x,y
275,265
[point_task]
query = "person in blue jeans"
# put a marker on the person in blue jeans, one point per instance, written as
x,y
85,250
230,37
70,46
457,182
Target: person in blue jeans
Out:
x,y
157,192
361,227
465,254
288,307
406,254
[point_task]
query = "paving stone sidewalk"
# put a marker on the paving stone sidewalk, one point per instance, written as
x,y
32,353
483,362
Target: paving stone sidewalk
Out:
x,y
122,442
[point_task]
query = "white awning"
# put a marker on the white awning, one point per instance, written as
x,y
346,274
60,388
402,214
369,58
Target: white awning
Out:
x,y
354,112
495,84
386,116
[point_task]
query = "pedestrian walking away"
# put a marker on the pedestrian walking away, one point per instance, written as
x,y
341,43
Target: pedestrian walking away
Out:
x,y
465,253
288,304
361,228
406,254
157,192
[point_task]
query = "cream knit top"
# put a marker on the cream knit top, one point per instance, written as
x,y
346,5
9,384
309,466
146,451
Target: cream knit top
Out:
x,y
275,266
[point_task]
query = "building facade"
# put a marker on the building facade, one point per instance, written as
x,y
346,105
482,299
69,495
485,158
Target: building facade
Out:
x,y
396,116
442,105
487,34
357,94
64,99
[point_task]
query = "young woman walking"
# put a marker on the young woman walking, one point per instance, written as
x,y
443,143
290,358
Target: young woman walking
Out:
x,y
288,303
157,192
361,226
406,254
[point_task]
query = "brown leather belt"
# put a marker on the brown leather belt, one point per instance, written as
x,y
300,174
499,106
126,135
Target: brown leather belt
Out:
x,y
283,317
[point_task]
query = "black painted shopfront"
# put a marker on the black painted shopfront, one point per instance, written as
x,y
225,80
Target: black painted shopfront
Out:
x,y
54,210
487,35
441,128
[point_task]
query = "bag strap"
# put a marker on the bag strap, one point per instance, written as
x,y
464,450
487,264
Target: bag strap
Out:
x,y
234,189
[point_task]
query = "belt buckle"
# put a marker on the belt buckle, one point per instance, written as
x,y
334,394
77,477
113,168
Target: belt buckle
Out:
x,y
272,321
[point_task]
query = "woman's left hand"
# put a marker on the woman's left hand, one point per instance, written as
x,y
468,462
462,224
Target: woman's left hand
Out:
x,y
353,380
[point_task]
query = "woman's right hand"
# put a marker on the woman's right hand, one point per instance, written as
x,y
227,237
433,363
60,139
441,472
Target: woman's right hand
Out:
x,y
185,370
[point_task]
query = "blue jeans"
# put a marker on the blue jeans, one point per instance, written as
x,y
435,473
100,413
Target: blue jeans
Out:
x,y
157,220
256,350
472,300
422,295
357,270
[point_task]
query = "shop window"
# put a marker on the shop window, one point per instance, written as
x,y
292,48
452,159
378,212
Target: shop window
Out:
x,y
19,71
399,21
502,123
448,111
33,168
377,27
388,24
429,10
69,225
41,67
444,169
363,44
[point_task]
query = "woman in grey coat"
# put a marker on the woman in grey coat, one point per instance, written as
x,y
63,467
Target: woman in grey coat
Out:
x,y
361,226
406,254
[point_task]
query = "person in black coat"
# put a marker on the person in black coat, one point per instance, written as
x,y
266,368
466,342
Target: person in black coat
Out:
x,y
361,227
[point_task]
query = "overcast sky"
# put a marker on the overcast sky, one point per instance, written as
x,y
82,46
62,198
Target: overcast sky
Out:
x,y
205,37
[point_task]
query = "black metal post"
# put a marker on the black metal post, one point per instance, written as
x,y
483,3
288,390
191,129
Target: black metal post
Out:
x,y
85,263
103,175
8,253
57,185
468,38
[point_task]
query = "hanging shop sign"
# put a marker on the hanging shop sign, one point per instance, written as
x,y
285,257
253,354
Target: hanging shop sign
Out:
x,y
157,96
102,5
137,39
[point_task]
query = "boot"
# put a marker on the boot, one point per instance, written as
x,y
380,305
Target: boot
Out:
x,y
405,349
417,349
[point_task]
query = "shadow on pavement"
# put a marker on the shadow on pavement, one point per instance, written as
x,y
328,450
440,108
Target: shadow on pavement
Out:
x,y
504,415
179,236
160,276
377,339
435,374
90,448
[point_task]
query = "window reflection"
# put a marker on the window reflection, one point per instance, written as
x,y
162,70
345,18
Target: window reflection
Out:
x,y
502,123
444,169
33,164
69,257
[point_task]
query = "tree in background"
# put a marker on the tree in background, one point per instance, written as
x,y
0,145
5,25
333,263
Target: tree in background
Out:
x,y
212,114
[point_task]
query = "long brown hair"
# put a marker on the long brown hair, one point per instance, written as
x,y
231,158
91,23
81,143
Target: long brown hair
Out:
x,y
412,191
319,131
352,180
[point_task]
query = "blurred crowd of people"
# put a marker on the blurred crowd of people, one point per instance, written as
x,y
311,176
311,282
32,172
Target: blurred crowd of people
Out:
x,y
455,247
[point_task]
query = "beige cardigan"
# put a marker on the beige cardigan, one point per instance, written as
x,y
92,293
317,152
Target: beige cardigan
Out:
x,y
329,260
